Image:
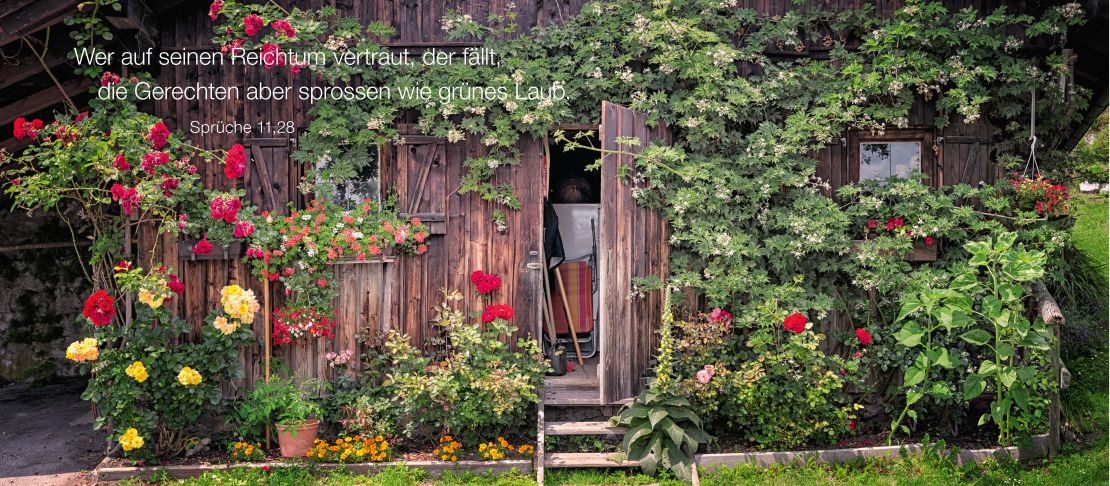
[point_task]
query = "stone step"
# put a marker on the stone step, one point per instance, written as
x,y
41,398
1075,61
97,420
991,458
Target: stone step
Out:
x,y
582,428
583,459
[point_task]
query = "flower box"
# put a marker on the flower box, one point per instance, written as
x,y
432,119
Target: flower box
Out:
x,y
232,251
921,252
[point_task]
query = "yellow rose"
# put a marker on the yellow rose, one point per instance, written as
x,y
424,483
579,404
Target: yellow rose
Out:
x,y
131,440
226,327
83,350
137,371
188,376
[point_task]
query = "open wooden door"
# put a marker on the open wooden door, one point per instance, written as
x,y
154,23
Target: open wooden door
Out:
x,y
633,243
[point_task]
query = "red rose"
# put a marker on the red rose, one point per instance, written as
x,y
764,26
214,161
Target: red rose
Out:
x,y
121,162
795,323
175,284
203,247
214,9
928,241
488,284
158,135
17,128
155,159
863,336
243,229
504,311
321,282
271,56
871,224
252,24
109,78
488,315
100,308
284,27
235,162
476,276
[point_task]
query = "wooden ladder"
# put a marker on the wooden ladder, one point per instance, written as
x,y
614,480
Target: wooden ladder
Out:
x,y
583,459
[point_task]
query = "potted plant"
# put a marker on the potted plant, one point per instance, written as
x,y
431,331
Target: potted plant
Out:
x,y
289,406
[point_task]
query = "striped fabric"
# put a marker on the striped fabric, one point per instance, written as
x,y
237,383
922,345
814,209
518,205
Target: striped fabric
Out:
x,y
577,280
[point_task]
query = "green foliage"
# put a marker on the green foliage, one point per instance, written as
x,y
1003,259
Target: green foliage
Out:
x,y
160,407
477,389
1093,153
661,429
280,400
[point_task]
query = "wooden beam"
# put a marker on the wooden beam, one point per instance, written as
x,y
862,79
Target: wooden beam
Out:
x,y
34,16
43,99
26,67
136,15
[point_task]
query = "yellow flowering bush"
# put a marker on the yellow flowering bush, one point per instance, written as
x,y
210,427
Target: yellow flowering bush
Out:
x,y
526,450
224,325
131,440
357,448
188,376
154,292
246,451
83,350
239,303
137,371
448,449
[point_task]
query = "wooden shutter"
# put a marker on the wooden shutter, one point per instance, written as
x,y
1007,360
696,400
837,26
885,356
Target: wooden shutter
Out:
x,y
633,244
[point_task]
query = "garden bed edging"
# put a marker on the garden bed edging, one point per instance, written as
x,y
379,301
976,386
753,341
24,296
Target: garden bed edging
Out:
x,y
434,468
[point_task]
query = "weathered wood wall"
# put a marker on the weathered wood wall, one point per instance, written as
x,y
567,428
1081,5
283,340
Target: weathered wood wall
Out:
x,y
464,238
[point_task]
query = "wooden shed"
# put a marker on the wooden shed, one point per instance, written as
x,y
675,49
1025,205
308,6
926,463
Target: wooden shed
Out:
x,y
425,172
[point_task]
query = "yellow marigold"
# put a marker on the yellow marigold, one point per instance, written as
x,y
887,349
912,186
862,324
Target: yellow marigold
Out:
x,y
137,371
131,440
188,376
83,350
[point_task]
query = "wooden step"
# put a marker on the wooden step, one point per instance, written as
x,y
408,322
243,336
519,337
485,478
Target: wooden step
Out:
x,y
582,428
584,459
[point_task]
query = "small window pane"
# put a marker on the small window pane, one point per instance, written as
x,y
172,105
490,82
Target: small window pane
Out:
x,y
881,160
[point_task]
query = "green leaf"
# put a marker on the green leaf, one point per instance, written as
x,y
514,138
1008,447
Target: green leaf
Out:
x,y
656,416
1005,350
945,360
940,390
983,419
910,335
1010,292
977,336
910,304
1021,397
979,250
635,435
973,387
913,376
913,397
987,368
1008,376
1005,241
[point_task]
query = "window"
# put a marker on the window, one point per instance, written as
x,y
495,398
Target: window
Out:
x,y
881,160
360,185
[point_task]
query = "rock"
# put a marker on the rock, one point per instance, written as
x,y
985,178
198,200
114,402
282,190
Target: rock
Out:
x,y
1089,187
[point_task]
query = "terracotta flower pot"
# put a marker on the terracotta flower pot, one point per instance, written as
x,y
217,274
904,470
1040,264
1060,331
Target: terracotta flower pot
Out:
x,y
296,441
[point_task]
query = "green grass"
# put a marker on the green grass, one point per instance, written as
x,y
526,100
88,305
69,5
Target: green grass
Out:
x,y
299,475
1090,232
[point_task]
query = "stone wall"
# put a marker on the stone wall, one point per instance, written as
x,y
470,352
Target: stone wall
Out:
x,y
41,293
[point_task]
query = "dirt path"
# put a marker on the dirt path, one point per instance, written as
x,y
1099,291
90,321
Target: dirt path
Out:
x,y
46,435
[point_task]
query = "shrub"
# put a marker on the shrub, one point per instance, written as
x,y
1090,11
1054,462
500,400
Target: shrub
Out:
x,y
281,400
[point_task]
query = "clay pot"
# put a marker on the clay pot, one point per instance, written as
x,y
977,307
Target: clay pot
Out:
x,y
296,441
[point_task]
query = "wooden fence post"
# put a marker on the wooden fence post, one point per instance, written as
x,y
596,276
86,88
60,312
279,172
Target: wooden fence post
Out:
x,y
1050,313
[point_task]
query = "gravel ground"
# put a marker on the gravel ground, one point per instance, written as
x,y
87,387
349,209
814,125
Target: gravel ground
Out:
x,y
46,435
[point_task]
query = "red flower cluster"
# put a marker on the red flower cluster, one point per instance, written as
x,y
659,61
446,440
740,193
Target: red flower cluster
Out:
x,y
121,163
795,323
158,135
128,198
284,27
175,284
22,128
485,282
203,247
235,45
155,159
226,209
243,229
295,323
863,336
122,266
497,311
1047,198
109,78
235,162
100,308
271,56
214,9
252,24
718,315
894,223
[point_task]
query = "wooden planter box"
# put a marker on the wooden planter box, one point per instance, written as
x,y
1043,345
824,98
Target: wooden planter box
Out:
x,y
233,251
921,252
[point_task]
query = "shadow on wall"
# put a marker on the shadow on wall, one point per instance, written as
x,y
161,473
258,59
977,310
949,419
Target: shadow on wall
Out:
x,y
41,292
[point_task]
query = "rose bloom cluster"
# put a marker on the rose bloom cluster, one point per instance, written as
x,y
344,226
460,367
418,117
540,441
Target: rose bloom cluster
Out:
x,y
83,350
131,440
188,377
137,371
238,303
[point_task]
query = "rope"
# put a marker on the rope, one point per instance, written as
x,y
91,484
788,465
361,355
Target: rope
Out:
x,y
1031,167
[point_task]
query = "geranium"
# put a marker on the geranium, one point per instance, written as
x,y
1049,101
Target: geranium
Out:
x,y
83,350
108,78
131,440
252,24
863,336
137,371
296,323
225,208
158,135
236,162
243,229
239,303
100,308
795,323
214,9
188,377
121,163
284,27
203,247
486,283
22,128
